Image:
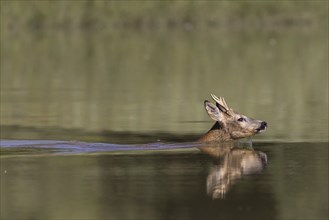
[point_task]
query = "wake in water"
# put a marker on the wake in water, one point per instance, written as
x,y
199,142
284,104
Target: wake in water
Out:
x,y
66,147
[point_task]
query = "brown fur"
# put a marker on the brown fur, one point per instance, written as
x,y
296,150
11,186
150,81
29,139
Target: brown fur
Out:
x,y
229,124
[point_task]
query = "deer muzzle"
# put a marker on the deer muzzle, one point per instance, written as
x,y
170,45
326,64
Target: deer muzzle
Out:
x,y
262,127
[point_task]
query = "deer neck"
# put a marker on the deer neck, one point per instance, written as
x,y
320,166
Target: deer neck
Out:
x,y
216,133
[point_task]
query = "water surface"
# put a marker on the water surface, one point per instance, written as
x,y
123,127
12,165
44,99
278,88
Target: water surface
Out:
x,y
169,181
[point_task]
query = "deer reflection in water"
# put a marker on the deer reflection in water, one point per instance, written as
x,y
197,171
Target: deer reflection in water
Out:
x,y
231,163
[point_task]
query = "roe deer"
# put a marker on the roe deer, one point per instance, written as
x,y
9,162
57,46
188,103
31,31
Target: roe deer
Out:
x,y
229,125
232,162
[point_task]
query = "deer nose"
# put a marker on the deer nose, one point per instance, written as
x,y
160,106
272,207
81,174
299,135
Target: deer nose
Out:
x,y
263,125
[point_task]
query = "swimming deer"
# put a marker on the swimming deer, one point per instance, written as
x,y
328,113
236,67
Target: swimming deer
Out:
x,y
229,124
231,162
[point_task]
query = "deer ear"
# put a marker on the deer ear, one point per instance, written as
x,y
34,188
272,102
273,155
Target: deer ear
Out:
x,y
212,110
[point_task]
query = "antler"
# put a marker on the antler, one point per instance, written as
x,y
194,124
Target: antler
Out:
x,y
221,104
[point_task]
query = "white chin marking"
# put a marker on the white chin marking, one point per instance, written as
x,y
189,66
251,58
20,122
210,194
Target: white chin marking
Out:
x,y
260,131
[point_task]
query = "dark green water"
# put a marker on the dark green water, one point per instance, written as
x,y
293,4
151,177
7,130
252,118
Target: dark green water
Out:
x,y
167,184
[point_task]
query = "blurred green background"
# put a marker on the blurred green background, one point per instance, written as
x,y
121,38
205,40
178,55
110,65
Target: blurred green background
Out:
x,y
118,70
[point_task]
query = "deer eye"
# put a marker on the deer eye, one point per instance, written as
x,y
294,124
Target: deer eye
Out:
x,y
241,119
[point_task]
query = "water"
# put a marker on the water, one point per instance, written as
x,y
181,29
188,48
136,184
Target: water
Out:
x,y
101,103
166,182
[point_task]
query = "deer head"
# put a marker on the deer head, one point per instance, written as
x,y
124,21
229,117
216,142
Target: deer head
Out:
x,y
230,125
